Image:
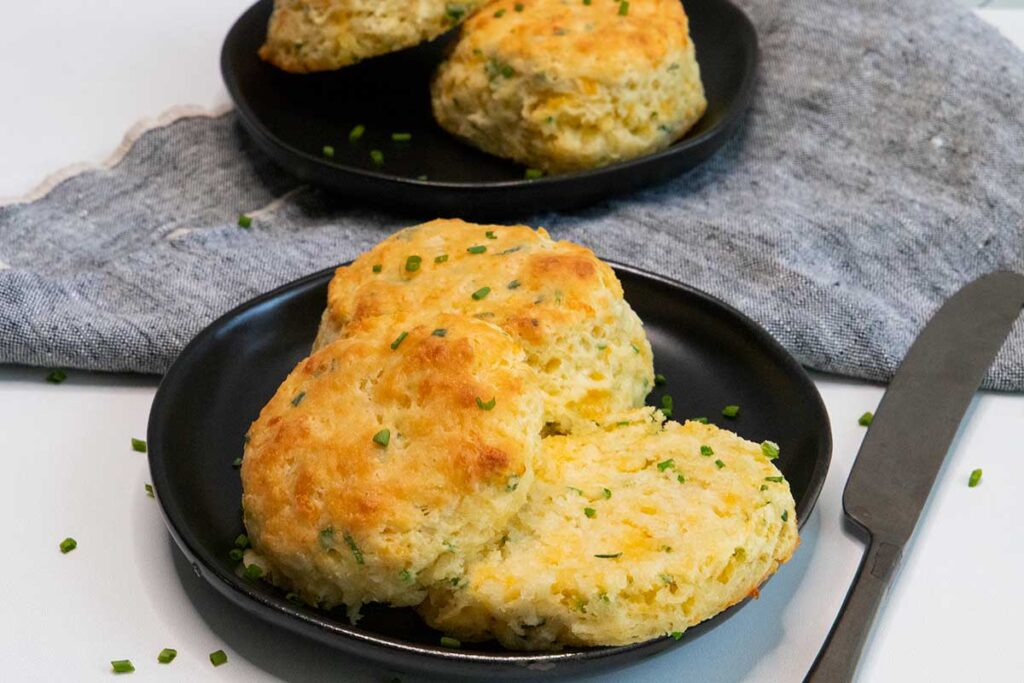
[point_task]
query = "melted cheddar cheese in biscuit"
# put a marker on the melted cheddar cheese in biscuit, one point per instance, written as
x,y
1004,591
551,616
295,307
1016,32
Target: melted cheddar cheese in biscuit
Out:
x,y
632,530
559,301
564,86
388,459
321,35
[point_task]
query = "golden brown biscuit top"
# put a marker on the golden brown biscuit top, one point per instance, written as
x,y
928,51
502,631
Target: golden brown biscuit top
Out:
x,y
602,39
371,432
513,276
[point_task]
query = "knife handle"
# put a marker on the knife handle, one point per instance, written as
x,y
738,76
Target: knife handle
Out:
x,y
837,661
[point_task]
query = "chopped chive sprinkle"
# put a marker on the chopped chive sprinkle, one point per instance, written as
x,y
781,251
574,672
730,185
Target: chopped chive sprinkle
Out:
x,y
659,379
56,376
450,642
167,655
383,437
67,545
707,451
514,284
481,293
533,174
490,235
441,259
635,348
356,133
666,405
702,420
253,571
719,464
665,464
512,484
676,635
401,137
328,151
681,478
398,340
217,658
377,157
478,249
731,411
785,515
149,490
237,462
865,419
326,538
356,552
518,7
293,598
975,478
590,512
439,332
236,554
586,2
244,221
378,267
578,492
778,480
412,264
624,423
665,548
602,347
298,398
764,487
607,493
499,14
122,666
489,405
242,541
770,449
138,445
608,556
623,8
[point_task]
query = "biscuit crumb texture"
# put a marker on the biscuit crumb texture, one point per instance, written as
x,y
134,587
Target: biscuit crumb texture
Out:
x,y
629,533
387,459
564,86
322,35
557,299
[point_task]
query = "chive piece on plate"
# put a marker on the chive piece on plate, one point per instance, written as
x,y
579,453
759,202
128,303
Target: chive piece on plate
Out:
x,y
67,545
377,157
659,379
328,151
383,437
167,655
666,405
217,658
731,411
149,490
401,137
778,480
398,340
865,419
770,449
975,478
356,133
236,554
122,666
450,642
676,635
489,405
56,376
241,541
533,174
138,445
702,420
356,552
236,463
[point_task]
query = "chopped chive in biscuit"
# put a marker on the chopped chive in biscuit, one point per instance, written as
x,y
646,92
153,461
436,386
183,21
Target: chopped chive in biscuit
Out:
x,y
519,7
378,267
138,445
707,451
298,398
770,449
676,635
702,420
67,545
412,264
383,437
731,411
491,236
778,480
636,349
488,405
623,8
665,464
590,512
681,478
356,133
481,293
478,249
514,284
356,552
398,340
719,464
785,515
608,556
499,14
974,479
439,332
666,405
441,259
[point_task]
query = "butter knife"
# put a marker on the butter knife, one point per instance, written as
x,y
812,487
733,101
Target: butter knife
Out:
x,y
906,444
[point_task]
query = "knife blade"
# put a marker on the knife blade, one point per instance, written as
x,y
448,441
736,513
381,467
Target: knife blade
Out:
x,y
906,445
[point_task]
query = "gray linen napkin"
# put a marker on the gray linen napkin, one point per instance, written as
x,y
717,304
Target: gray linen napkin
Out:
x,y
880,167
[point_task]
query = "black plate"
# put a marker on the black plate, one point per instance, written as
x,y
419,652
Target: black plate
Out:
x,y
292,117
711,354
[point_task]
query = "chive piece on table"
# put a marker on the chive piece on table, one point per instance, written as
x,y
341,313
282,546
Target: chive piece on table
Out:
x,y
731,411
383,437
398,340
770,449
167,655
217,658
56,376
356,133
489,405
865,419
975,478
122,666
138,445
244,221
67,545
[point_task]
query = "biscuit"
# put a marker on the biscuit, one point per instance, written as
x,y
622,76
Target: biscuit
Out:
x,y
630,532
388,458
559,301
564,86
321,35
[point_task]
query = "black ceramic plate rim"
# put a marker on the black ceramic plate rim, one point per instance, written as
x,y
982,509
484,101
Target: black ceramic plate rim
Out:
x,y
232,587
255,126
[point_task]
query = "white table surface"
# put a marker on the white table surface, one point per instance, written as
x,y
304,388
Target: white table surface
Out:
x,y
74,76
